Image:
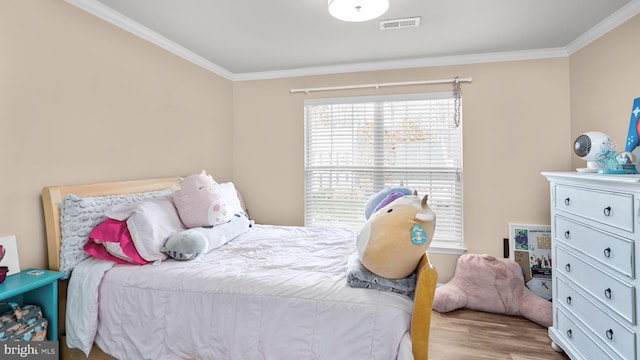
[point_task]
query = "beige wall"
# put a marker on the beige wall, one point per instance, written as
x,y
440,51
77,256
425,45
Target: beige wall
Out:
x,y
83,101
605,78
516,125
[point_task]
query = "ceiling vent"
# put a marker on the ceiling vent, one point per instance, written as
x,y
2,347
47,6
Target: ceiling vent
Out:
x,y
400,23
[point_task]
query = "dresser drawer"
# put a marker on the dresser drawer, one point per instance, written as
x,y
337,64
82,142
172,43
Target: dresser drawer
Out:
x,y
615,294
611,332
610,208
576,337
612,251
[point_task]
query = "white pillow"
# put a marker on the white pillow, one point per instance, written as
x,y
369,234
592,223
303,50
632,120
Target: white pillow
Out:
x,y
229,195
150,223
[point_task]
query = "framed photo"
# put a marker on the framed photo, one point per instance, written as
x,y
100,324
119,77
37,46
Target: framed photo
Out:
x,y
530,247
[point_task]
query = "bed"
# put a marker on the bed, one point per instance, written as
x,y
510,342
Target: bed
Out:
x,y
275,292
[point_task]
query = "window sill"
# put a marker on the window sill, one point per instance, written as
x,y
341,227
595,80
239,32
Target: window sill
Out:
x,y
444,249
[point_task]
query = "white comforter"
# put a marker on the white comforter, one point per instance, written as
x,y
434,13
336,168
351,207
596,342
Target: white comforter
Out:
x,y
272,293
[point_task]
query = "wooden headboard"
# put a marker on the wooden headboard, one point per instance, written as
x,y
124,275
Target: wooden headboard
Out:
x,y
53,195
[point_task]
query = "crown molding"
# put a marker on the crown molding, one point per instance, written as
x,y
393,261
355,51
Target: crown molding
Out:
x,y
106,13
406,64
611,22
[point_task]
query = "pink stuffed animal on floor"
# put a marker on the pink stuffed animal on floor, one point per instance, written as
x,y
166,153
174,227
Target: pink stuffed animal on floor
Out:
x,y
486,283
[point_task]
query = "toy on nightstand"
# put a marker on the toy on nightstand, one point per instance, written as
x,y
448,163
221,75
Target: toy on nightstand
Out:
x,y
3,269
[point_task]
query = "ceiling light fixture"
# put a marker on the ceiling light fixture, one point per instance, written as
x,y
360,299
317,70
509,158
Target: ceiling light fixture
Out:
x,y
357,10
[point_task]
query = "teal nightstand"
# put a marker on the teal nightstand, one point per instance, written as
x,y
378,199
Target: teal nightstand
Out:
x,y
41,290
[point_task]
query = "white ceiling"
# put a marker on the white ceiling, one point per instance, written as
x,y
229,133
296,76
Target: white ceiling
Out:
x,y
250,39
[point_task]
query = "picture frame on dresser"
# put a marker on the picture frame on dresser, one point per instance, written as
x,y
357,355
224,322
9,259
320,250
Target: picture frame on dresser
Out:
x,y
530,247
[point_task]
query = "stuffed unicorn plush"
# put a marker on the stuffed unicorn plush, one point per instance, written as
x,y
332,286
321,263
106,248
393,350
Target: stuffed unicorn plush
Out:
x,y
199,202
395,237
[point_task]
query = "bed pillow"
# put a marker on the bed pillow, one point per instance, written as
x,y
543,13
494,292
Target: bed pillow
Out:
x,y
231,196
111,241
150,223
79,215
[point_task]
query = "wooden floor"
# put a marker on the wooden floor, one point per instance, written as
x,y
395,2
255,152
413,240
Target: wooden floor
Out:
x,y
469,335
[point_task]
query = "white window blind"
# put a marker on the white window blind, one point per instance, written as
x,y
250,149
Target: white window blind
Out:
x,y
355,147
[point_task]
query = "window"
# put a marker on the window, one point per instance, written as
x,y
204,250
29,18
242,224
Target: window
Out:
x,y
355,147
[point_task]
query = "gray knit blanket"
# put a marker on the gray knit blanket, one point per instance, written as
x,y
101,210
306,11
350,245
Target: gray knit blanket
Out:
x,y
359,277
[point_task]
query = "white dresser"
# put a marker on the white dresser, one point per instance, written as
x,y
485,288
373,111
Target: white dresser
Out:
x,y
595,224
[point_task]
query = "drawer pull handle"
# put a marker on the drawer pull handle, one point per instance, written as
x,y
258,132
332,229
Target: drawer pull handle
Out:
x,y
569,300
569,333
607,211
607,293
567,234
607,252
567,267
609,334
567,201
